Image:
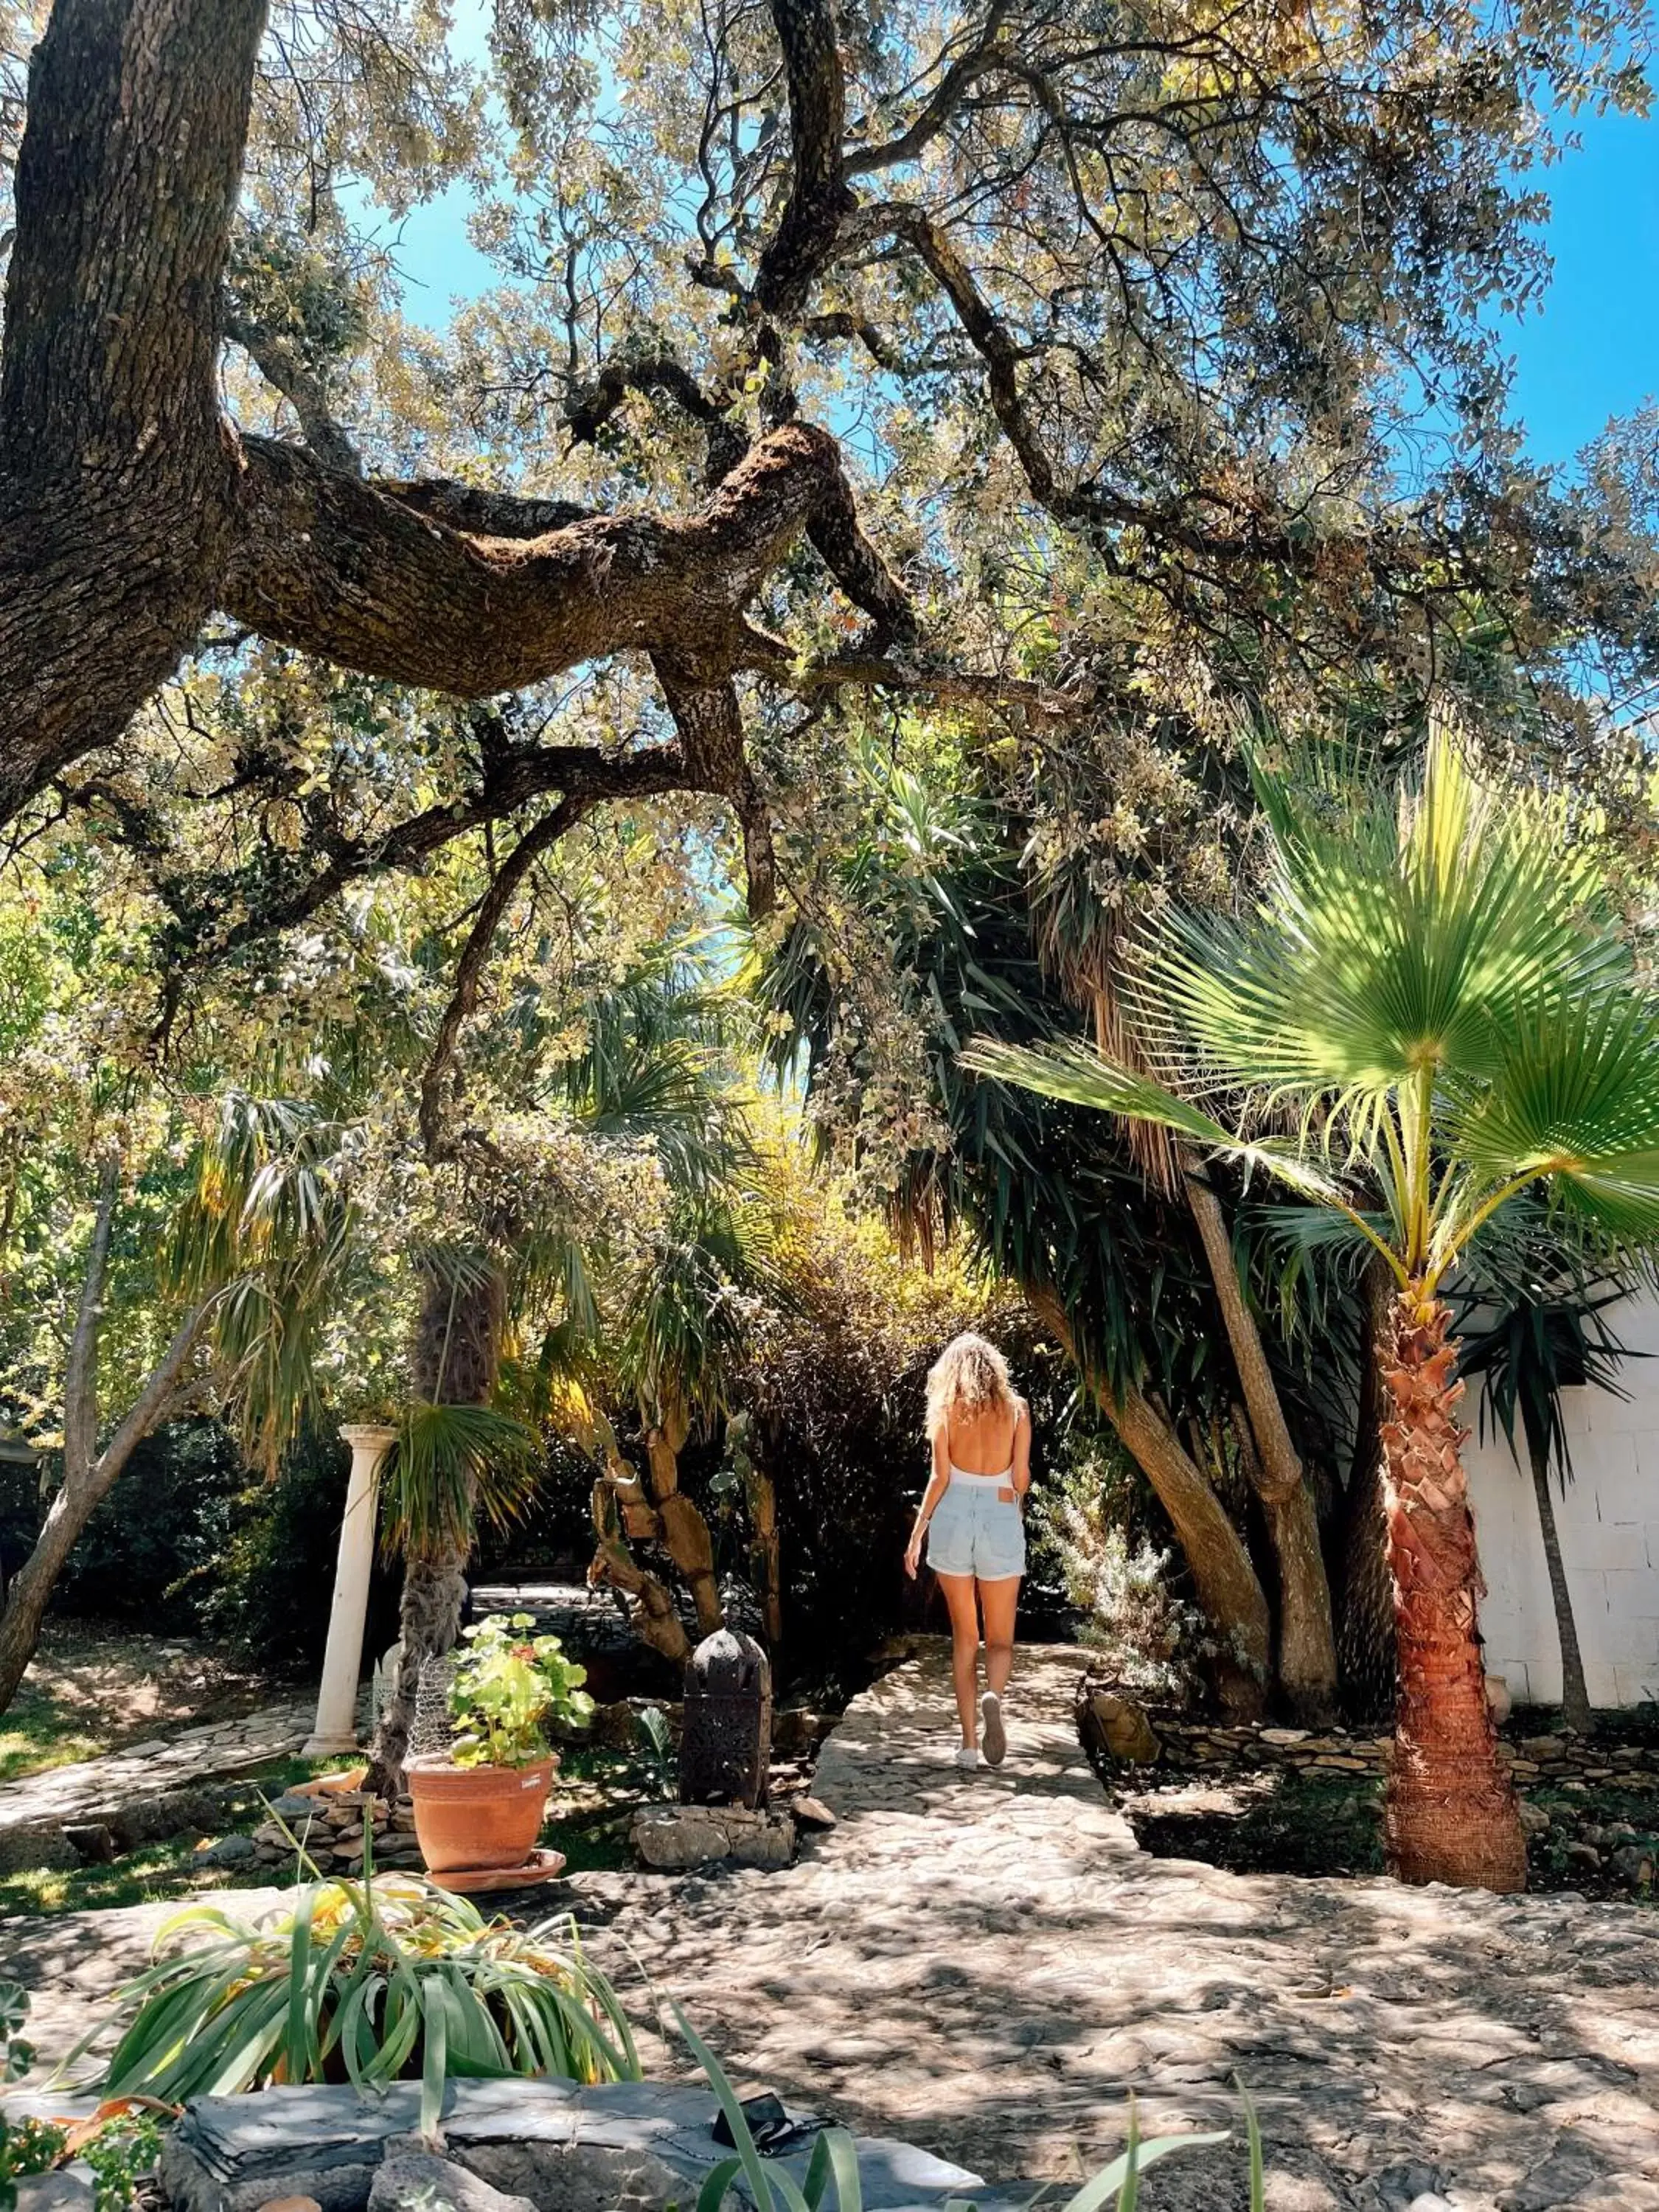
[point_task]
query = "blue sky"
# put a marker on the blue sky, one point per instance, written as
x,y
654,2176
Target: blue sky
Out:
x,y
1592,351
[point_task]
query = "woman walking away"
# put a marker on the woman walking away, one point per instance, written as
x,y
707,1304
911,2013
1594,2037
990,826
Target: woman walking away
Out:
x,y
972,1517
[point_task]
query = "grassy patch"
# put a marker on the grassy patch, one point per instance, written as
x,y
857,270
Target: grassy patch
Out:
x,y
1290,1821
36,1734
594,1799
160,1870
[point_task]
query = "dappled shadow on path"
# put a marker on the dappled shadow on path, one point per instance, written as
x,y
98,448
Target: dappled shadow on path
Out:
x,y
988,1964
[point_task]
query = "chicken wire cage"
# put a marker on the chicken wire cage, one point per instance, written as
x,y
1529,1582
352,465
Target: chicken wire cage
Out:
x,y
431,1732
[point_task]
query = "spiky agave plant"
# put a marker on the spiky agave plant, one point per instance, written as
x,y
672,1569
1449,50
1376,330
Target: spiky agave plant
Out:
x,y
1431,997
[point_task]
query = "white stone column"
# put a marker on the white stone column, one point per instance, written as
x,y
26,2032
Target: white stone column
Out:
x,y
336,1700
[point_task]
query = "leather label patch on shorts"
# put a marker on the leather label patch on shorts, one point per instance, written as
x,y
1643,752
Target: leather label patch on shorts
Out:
x,y
1006,1494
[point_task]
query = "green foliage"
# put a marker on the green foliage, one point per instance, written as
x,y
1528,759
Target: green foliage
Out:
x,y
1121,1587
370,1982
450,1465
1532,1319
26,2147
121,2153
658,1739
267,1591
1432,987
508,1688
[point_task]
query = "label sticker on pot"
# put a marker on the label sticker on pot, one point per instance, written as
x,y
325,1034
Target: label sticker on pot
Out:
x,y
531,1782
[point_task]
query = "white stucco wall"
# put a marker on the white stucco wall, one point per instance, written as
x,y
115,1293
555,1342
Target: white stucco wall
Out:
x,y
1609,1528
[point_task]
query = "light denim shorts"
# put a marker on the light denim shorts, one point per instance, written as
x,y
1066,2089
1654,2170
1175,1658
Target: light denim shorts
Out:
x,y
975,1532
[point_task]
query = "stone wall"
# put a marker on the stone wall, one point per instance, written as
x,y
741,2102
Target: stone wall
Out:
x,y
1610,1526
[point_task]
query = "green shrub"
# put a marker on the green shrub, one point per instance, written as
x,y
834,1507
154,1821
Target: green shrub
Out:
x,y
268,1592
1121,1588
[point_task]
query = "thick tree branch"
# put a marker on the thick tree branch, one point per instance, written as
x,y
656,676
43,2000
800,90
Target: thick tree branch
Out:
x,y
986,55
350,571
278,361
820,198
710,723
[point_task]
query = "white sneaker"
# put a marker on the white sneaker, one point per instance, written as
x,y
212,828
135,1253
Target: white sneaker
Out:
x,y
968,1757
991,1729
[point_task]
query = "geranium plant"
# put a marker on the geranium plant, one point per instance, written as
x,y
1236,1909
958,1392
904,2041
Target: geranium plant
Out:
x,y
507,1685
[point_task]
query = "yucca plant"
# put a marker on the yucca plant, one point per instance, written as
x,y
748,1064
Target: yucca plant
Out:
x,y
1429,1012
369,1982
1531,1320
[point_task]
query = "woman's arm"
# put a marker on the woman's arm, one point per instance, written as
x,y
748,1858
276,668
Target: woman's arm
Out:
x,y
931,1497
1022,1462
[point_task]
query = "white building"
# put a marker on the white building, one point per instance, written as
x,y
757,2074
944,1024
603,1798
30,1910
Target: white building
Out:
x,y
1608,1521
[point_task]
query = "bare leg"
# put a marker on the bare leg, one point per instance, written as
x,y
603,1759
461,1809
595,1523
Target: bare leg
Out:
x,y
964,1651
999,1600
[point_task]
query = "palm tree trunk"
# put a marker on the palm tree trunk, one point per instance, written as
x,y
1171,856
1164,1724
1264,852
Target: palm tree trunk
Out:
x,y
454,1360
1364,1633
1307,1639
1575,1695
1450,1813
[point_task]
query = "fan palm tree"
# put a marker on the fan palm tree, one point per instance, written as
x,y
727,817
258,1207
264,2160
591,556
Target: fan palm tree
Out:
x,y
1431,997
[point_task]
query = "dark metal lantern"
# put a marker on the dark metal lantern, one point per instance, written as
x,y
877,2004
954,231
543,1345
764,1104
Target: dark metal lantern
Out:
x,y
726,1746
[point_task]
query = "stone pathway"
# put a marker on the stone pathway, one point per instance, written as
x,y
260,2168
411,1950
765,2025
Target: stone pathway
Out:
x,y
34,1811
986,1965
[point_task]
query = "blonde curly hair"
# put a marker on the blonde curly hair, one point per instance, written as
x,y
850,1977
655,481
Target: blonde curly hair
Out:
x,y
969,1376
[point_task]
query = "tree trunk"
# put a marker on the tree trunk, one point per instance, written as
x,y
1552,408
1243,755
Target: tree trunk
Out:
x,y
1450,1813
117,480
455,1359
30,1587
1365,1637
89,1475
1227,1585
1307,1640
1575,1696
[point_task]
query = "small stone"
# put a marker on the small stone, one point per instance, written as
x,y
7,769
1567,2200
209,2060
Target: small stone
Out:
x,y
1583,1854
1284,1735
1534,1820
92,1839
812,1813
230,1851
1633,1865
420,2181
1543,1747
290,1805
292,2205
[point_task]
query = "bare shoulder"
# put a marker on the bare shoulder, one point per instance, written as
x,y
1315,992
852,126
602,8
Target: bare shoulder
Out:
x,y
1022,1411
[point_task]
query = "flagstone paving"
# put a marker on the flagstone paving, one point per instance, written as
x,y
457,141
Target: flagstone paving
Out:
x,y
987,1966
36,1809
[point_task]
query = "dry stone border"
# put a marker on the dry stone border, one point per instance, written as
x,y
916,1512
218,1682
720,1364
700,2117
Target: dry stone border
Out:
x,y
143,1791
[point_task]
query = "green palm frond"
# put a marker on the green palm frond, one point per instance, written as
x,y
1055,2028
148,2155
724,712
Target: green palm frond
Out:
x,y
1432,986
451,1466
268,1231
1397,931
1576,1097
1086,1078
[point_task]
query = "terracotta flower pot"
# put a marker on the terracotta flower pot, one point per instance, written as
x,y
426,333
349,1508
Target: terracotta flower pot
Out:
x,y
477,1816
